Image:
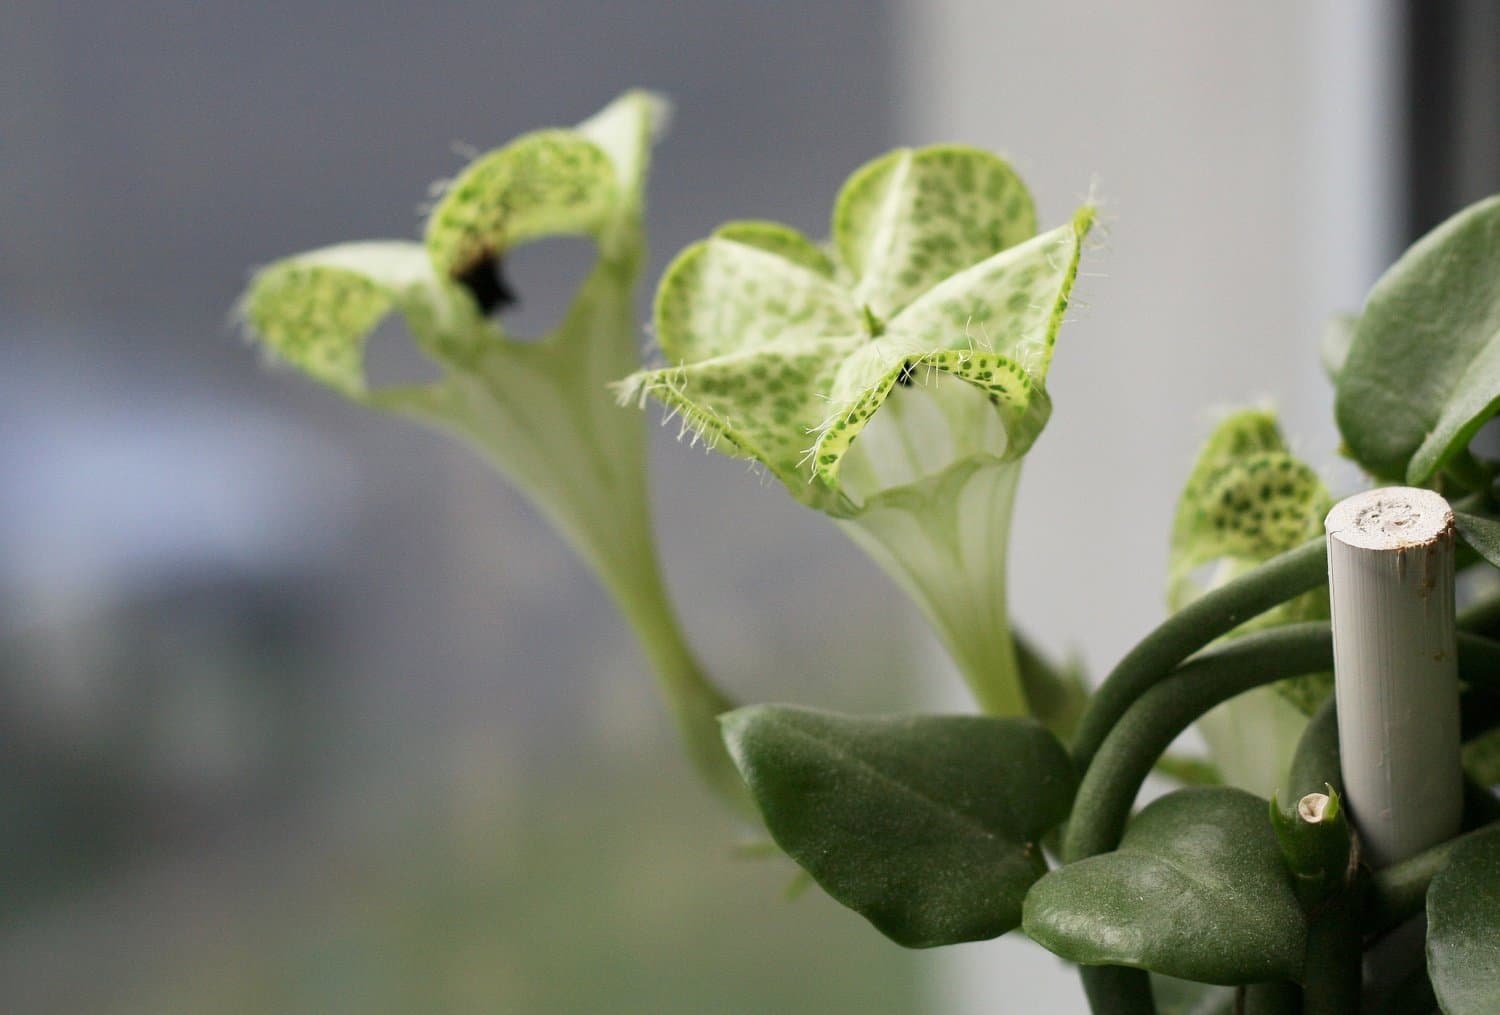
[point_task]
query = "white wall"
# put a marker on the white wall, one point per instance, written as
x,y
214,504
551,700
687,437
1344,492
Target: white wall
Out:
x,y
1244,155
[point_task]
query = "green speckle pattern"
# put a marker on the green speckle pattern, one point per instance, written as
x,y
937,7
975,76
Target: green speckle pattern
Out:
x,y
1247,500
318,319
986,311
722,295
910,219
316,310
762,403
552,182
783,241
1247,497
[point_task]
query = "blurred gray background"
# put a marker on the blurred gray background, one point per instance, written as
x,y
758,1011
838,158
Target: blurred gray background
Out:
x,y
303,710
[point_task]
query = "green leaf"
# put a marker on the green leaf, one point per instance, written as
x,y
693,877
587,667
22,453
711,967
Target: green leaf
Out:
x,y
1423,371
927,826
1482,534
1463,928
1338,336
1197,890
1056,695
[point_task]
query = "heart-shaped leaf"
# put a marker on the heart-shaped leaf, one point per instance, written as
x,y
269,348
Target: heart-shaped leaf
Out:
x,y
1423,369
928,826
1197,890
1463,928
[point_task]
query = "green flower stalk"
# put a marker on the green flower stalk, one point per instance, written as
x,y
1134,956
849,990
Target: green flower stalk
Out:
x,y
540,412
1248,499
893,380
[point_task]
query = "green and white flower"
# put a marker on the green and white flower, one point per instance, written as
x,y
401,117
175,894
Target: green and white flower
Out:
x,y
1248,499
893,379
541,412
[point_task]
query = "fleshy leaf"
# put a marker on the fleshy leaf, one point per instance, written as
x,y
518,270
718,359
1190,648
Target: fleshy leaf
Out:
x,y
1463,928
1197,890
1057,695
911,218
928,826
317,309
1423,371
1482,534
1338,336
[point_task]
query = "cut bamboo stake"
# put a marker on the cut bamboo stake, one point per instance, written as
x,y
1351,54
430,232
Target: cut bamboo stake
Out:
x,y
1390,579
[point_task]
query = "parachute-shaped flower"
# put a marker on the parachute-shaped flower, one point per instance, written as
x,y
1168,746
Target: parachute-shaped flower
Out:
x,y
541,412
893,378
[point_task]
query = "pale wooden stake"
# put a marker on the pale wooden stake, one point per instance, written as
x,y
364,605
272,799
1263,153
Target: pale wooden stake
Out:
x,y
1390,578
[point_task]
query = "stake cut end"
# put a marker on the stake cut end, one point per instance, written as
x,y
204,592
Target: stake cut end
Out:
x,y
1393,518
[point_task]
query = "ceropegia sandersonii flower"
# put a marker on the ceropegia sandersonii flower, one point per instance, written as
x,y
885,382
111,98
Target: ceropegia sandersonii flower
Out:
x,y
893,378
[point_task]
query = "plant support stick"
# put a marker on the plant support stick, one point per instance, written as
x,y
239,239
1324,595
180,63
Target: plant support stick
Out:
x,y
1390,564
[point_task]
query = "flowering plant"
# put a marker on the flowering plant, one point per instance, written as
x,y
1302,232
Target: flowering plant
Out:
x,y
893,379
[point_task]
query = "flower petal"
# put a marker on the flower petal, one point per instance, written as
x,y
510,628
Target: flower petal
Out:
x,y
1012,303
785,241
551,182
993,326
762,403
913,217
725,294
316,310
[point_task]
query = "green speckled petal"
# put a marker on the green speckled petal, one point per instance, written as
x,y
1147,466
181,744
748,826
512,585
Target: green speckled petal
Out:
x,y
316,310
781,240
1022,405
624,130
764,403
992,325
1012,303
1247,497
552,182
1247,500
911,218
724,295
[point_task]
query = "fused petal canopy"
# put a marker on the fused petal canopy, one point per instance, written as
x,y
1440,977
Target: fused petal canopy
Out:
x,y
316,310
781,351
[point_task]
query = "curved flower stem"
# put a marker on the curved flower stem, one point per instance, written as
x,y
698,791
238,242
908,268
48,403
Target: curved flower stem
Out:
x,y
1112,781
1205,619
1331,980
1127,755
